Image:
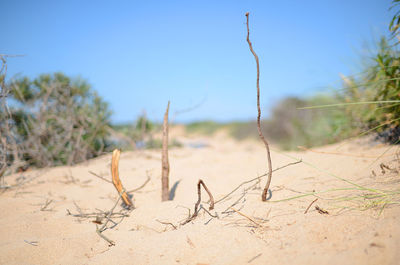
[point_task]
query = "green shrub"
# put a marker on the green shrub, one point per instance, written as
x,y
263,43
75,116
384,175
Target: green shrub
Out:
x,y
58,120
378,83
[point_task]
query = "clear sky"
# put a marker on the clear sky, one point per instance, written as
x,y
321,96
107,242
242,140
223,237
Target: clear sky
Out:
x,y
140,54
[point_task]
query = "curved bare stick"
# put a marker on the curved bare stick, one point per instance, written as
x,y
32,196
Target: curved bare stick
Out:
x,y
208,192
264,194
115,178
196,206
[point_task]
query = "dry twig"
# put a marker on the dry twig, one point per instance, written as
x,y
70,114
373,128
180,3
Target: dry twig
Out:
x,y
103,227
253,258
254,179
141,186
196,206
167,223
46,204
115,178
265,191
321,211
242,214
310,205
33,243
100,177
165,162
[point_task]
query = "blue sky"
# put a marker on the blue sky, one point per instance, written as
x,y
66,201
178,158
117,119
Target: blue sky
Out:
x,y
140,54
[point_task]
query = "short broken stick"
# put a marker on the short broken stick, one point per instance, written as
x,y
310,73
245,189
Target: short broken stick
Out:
x,y
320,210
310,205
115,178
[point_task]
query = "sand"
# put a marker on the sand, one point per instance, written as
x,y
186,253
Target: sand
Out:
x,y
353,232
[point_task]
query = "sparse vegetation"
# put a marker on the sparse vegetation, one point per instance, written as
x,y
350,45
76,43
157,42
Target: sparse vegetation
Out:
x,y
57,120
366,102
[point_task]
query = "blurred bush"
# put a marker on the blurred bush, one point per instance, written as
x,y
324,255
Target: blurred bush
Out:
x,y
57,120
203,127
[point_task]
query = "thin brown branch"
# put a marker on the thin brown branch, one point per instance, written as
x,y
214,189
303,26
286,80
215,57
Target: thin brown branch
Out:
x,y
167,223
254,179
164,159
253,258
242,214
208,192
141,186
188,109
310,205
100,230
196,206
46,204
264,194
100,177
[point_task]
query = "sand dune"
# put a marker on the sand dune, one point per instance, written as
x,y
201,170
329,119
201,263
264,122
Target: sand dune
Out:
x,y
253,232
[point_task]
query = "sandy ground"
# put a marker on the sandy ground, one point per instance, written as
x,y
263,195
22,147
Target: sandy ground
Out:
x,y
357,230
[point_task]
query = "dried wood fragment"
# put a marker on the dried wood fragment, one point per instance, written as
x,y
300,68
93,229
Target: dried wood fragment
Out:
x,y
115,178
320,210
164,159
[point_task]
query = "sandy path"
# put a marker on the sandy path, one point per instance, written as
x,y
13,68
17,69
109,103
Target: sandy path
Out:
x,y
283,233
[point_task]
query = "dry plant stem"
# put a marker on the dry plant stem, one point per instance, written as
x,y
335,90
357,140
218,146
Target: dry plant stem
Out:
x,y
208,192
46,204
100,177
242,214
115,178
253,258
164,159
265,191
254,179
310,205
196,206
102,228
141,186
320,210
336,153
167,223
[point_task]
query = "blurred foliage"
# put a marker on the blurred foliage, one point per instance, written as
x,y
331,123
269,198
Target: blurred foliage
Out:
x,y
379,82
359,107
394,25
137,130
203,127
141,132
58,120
290,126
